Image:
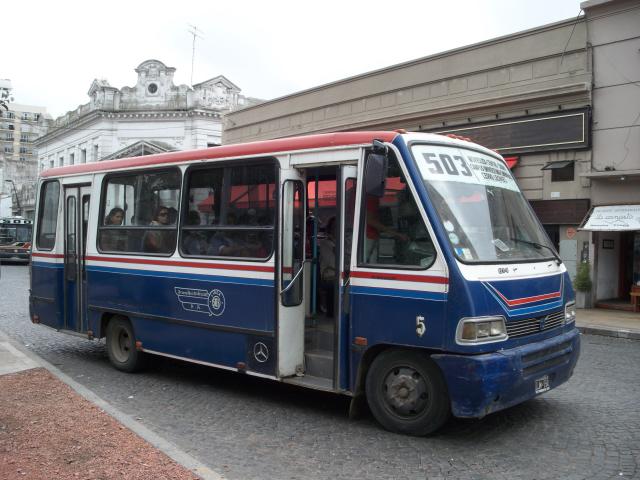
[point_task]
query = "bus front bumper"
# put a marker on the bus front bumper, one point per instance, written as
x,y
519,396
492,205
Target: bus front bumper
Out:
x,y
482,384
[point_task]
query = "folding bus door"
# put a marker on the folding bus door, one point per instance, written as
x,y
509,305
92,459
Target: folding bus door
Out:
x,y
291,312
76,210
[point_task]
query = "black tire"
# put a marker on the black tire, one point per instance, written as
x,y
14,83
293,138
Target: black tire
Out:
x,y
121,346
407,393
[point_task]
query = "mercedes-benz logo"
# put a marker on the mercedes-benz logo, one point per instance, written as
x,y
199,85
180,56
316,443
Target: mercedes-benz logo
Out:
x,y
261,352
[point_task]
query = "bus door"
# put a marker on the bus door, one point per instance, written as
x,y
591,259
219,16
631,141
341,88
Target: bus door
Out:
x,y
347,204
76,217
291,258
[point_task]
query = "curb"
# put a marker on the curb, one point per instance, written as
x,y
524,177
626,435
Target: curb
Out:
x,y
166,447
607,332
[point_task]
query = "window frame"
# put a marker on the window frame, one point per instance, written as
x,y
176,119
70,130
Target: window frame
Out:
x,y
101,210
41,200
273,161
362,225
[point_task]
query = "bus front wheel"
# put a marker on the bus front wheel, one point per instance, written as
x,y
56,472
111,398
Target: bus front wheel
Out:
x,y
121,346
406,393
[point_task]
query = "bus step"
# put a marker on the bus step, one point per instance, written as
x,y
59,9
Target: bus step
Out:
x,y
319,337
319,363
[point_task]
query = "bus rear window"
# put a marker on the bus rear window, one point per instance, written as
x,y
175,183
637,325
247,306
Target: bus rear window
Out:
x,y
48,216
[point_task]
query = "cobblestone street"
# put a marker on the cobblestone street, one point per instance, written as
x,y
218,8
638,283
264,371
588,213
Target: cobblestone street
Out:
x,y
248,428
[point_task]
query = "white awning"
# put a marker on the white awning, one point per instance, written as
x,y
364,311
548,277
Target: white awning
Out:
x,y
612,218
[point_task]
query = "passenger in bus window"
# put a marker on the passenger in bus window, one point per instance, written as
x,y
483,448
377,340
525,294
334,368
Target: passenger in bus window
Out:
x,y
115,216
113,240
154,241
227,244
173,216
375,227
327,248
194,242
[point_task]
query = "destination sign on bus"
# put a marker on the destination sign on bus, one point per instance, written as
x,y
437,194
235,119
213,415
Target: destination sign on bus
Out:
x,y
458,165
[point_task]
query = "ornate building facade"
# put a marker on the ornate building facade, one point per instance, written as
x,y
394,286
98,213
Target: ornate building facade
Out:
x,y
153,116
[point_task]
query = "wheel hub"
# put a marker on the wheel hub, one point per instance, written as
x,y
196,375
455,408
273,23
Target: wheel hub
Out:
x,y
405,391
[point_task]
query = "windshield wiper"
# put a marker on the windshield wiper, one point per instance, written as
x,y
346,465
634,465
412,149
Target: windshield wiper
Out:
x,y
539,246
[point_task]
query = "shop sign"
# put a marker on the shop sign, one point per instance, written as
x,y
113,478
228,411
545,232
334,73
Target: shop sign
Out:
x,y
613,218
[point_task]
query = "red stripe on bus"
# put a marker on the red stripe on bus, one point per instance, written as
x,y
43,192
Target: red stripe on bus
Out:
x,y
47,255
400,277
325,140
173,263
536,298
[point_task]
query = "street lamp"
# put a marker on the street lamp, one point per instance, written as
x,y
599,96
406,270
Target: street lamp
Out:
x,y
15,192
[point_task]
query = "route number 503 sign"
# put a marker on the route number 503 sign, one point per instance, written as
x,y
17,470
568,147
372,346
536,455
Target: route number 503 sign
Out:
x,y
453,164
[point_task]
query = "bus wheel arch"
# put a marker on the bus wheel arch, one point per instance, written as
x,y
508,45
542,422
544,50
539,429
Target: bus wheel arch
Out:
x,y
406,391
121,345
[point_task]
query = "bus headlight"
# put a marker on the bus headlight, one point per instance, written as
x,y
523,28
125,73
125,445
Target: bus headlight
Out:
x,y
481,330
570,312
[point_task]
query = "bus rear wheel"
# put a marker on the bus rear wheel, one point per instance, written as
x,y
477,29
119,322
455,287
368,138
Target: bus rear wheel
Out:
x,y
407,393
121,346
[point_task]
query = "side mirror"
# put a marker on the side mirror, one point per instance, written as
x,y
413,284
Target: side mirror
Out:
x,y
375,174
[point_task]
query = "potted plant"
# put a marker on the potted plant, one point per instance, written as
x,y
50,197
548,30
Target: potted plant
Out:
x,y
582,284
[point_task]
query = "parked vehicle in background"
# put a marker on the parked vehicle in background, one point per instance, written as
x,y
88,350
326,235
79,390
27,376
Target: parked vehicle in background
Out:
x,y
15,239
433,291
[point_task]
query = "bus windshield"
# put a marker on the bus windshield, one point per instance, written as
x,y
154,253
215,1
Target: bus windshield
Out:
x,y
485,216
14,233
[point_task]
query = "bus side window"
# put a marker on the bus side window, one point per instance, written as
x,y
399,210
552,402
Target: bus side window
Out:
x,y
48,215
230,211
139,212
393,231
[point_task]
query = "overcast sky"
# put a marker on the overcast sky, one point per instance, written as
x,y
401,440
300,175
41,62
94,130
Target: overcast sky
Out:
x,y
53,50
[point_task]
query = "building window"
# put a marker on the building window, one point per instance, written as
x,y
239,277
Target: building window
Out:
x,y
61,161
153,88
24,137
23,159
23,150
562,171
9,137
95,153
25,116
51,165
83,155
8,149
72,158
10,115
10,126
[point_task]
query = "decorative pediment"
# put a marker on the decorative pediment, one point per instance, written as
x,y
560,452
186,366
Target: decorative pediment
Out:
x,y
140,148
153,68
220,82
99,84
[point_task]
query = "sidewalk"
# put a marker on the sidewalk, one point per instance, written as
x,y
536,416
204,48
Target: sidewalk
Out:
x,y
53,427
611,323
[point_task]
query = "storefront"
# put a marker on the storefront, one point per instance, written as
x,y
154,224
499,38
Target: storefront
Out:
x,y
615,238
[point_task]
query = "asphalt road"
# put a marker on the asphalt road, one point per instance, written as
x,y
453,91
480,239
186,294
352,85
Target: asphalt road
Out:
x,y
249,428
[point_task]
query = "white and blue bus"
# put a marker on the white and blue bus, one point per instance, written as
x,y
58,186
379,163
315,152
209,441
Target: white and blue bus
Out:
x,y
404,268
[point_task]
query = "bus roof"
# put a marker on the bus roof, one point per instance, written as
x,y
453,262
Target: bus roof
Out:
x,y
325,140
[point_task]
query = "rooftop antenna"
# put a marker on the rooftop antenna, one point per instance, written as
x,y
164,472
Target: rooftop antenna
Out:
x,y
193,30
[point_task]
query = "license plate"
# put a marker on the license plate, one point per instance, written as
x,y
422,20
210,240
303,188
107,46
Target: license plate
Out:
x,y
542,384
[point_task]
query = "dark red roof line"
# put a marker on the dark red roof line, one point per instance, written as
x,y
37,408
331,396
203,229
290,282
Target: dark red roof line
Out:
x,y
324,140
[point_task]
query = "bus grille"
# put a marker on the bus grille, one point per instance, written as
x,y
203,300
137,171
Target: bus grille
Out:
x,y
521,328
